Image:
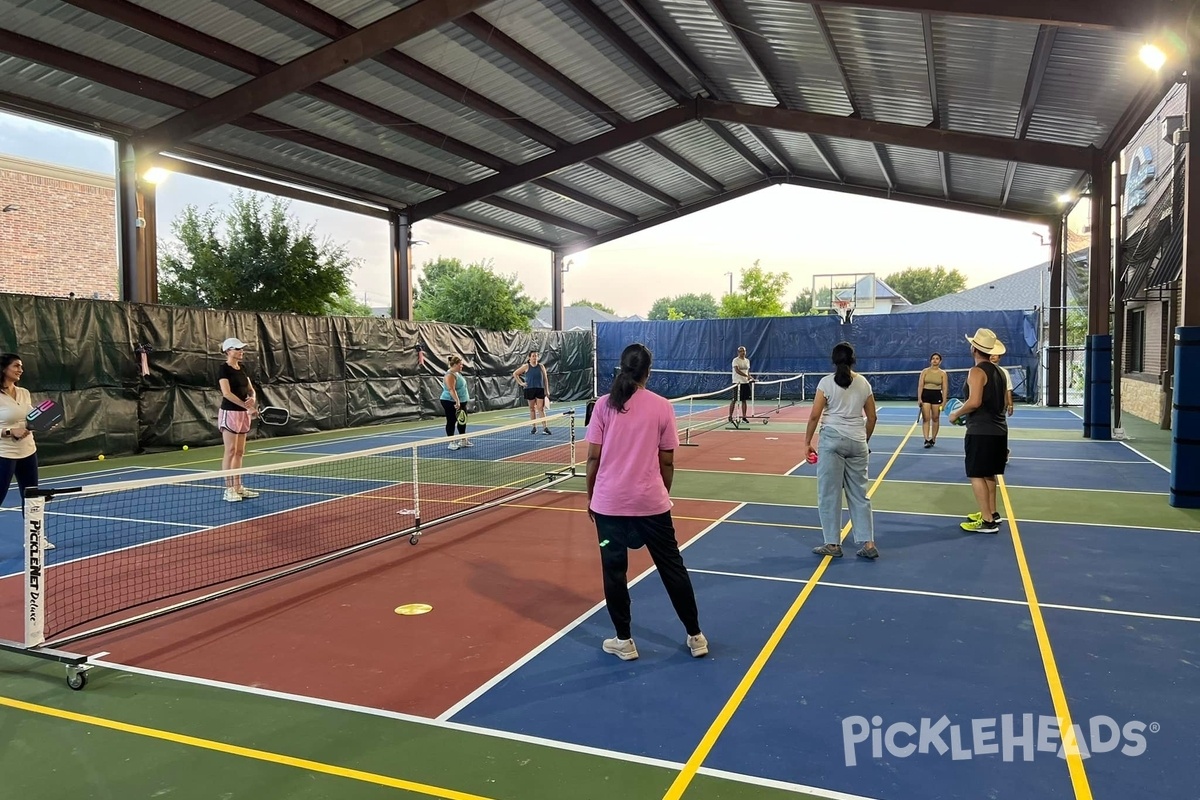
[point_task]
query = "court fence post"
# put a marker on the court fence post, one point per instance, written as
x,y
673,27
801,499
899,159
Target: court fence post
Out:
x,y
1185,420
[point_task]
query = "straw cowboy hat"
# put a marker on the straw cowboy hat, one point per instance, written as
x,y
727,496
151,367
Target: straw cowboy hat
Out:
x,y
985,341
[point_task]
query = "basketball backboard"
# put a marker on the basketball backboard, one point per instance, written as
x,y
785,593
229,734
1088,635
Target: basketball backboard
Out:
x,y
856,288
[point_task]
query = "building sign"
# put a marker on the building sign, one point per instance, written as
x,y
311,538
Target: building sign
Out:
x,y
1139,180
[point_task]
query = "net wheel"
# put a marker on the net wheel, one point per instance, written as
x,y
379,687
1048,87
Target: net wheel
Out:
x,y
77,680
413,539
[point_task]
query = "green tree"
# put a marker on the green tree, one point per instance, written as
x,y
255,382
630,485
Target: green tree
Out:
x,y
760,294
802,306
252,257
592,304
347,305
474,294
685,306
922,284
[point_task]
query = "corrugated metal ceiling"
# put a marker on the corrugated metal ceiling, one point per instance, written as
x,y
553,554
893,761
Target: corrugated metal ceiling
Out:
x,y
823,60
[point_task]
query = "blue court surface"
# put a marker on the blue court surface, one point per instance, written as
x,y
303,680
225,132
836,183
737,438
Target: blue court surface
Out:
x,y
1031,417
1045,464
919,675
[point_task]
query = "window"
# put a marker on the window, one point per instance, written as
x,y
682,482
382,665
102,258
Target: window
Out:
x,y
1135,338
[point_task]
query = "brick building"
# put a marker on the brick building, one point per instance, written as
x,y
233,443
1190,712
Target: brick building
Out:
x,y
61,237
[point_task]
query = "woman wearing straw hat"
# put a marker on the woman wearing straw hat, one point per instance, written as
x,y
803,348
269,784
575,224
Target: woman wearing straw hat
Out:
x,y
986,442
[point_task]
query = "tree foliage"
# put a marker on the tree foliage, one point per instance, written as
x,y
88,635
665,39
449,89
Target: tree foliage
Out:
x,y
595,305
802,305
760,294
254,257
472,294
684,306
922,284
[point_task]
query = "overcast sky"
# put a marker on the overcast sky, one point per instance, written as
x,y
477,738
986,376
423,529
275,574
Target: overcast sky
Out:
x,y
786,228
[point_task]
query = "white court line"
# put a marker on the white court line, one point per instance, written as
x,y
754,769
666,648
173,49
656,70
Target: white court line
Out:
x,y
473,696
1045,488
1143,455
961,517
959,456
946,595
493,733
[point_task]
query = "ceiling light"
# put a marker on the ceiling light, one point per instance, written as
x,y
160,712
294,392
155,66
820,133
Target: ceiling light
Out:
x,y
1152,57
155,175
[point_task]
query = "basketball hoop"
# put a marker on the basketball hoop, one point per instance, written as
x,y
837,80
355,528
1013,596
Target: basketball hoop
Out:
x,y
844,309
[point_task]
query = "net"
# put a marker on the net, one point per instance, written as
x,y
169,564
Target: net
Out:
x,y
124,551
773,391
699,413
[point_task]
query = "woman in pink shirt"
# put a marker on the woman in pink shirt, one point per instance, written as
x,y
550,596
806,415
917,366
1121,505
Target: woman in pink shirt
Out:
x,y
631,460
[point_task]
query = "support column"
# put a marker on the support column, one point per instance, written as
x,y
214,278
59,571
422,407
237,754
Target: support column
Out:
x,y
134,281
1185,408
1098,389
556,290
147,241
1116,192
402,277
1054,334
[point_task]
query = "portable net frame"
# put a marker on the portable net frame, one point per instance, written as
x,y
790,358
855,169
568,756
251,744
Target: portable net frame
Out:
x,y
127,551
697,414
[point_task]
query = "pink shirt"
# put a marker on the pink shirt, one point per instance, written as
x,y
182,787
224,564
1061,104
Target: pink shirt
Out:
x,y
628,483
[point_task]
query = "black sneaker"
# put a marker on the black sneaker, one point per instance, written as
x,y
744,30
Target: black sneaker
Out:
x,y
928,444
546,431
533,430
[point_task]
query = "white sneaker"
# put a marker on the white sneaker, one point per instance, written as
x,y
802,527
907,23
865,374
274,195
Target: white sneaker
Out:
x,y
49,545
453,446
244,492
232,496
623,649
698,645
467,443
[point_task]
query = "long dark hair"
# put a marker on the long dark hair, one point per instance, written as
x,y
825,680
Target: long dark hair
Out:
x,y
635,368
6,361
843,360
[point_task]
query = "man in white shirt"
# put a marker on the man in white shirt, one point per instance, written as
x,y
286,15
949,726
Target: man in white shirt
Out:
x,y
741,383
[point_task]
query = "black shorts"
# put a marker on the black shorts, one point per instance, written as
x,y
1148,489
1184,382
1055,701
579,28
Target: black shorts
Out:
x,y
741,391
535,394
931,396
986,455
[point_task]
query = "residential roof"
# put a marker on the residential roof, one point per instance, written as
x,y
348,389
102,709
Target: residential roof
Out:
x,y
574,318
1020,291
882,292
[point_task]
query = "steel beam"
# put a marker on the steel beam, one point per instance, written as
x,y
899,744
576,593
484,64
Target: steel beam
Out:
x,y
971,144
1101,14
365,43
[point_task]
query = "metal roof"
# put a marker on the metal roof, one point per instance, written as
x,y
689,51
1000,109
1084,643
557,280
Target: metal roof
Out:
x,y
567,123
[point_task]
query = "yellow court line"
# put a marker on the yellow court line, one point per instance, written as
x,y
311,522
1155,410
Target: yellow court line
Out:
x,y
1079,780
244,752
709,741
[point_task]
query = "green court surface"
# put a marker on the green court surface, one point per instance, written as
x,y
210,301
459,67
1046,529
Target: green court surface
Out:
x,y
139,734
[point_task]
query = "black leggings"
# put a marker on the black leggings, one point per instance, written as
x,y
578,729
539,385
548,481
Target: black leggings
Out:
x,y
452,418
657,533
26,470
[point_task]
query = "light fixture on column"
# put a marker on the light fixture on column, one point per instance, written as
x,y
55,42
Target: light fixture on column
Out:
x,y
1152,56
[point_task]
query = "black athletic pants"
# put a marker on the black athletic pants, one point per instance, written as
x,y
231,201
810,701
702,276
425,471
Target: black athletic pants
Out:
x,y
657,533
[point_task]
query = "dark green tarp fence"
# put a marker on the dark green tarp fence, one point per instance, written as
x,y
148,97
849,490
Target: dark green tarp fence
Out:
x,y
329,372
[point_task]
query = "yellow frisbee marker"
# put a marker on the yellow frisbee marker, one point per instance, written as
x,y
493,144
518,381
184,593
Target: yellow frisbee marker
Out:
x,y
413,609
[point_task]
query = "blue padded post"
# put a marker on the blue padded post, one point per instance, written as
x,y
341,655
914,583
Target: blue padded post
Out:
x,y
1087,386
1185,420
1100,387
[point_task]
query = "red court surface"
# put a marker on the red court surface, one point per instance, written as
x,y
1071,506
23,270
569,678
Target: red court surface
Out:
x,y
756,449
500,584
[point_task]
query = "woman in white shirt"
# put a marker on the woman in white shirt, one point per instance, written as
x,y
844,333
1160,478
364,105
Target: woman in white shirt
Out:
x,y
18,453
847,405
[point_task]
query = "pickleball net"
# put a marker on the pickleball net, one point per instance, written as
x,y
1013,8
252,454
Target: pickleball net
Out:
x,y
130,550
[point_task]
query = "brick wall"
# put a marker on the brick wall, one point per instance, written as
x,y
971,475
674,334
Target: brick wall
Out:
x,y
63,236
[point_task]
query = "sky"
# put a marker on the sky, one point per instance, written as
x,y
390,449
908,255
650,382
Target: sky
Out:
x,y
787,229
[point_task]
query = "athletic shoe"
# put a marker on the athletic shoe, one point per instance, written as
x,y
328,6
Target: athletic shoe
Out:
x,y
834,550
868,550
453,446
244,492
928,444
698,645
533,430
467,443
979,526
623,649
49,544
547,431
976,516
232,496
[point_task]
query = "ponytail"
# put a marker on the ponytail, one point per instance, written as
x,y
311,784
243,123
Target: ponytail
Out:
x,y
635,368
843,360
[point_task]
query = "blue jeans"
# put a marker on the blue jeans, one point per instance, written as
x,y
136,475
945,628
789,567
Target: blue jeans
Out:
x,y
842,465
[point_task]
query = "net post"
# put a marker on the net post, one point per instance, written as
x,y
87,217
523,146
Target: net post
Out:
x,y
416,491
571,414
34,607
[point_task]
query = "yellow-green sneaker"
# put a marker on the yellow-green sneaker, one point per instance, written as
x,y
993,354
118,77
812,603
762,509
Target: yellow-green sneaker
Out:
x,y
979,526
